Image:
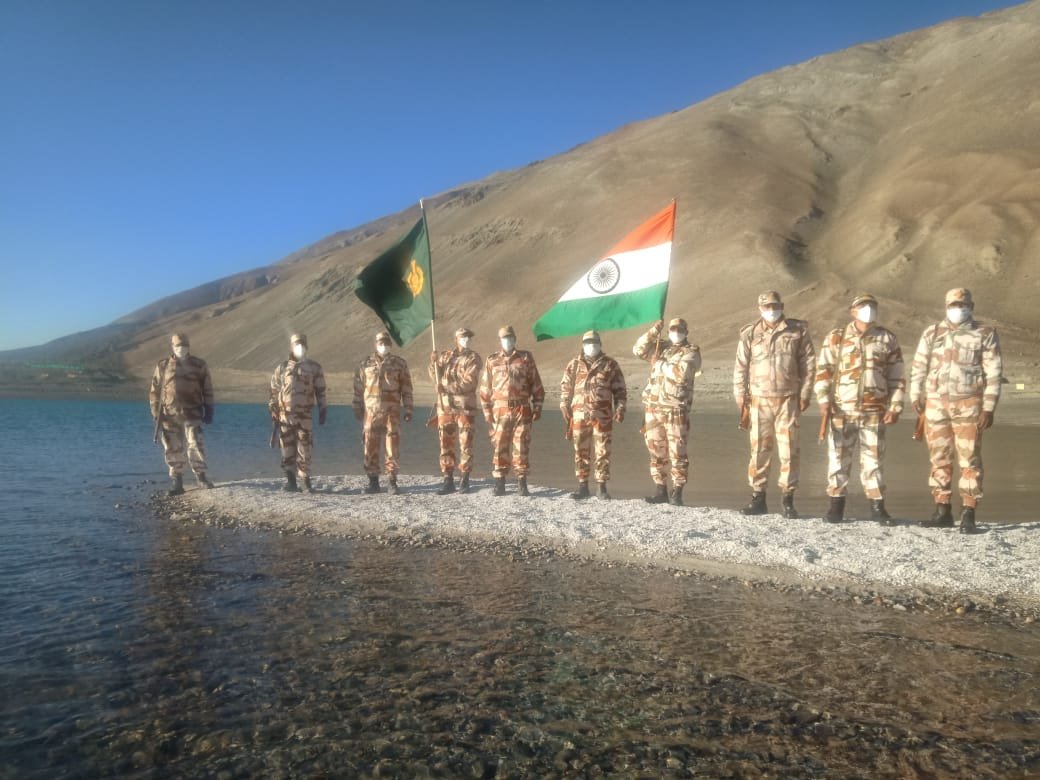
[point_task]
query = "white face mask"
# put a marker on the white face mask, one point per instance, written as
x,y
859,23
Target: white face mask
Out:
x,y
591,349
771,315
676,336
299,351
508,343
382,349
866,314
180,351
464,342
958,314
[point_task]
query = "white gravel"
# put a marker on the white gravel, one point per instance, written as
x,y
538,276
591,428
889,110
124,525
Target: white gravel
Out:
x,y
1001,561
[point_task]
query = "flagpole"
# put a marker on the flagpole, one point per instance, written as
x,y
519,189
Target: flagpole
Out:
x,y
664,303
433,317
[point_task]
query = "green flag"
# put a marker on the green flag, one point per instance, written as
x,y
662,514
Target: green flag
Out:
x,y
398,286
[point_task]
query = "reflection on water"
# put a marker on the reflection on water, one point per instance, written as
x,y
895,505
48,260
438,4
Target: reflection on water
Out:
x,y
138,645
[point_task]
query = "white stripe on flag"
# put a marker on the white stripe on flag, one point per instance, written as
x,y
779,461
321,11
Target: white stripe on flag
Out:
x,y
636,270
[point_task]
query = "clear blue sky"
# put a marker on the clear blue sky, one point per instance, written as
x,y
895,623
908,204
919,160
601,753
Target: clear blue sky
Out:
x,y
147,147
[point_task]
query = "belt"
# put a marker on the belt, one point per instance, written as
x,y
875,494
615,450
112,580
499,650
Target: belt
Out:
x,y
514,404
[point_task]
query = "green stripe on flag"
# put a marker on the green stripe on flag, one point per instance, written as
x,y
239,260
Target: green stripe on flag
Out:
x,y
602,312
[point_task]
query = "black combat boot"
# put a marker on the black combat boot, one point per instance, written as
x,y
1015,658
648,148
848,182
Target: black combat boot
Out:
x,y
464,485
787,502
522,483
660,496
675,497
603,495
836,511
202,480
373,484
176,486
942,517
290,483
392,488
448,486
307,485
500,486
967,520
757,505
582,491
879,513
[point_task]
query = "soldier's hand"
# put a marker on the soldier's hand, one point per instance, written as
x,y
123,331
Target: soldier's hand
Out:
x,y
919,407
322,415
536,413
207,415
804,404
359,415
619,414
985,420
407,415
890,418
658,326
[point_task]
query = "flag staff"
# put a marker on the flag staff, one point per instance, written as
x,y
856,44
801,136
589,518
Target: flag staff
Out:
x,y
433,317
664,303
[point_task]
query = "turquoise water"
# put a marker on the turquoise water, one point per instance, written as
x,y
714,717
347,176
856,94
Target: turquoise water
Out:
x,y
134,645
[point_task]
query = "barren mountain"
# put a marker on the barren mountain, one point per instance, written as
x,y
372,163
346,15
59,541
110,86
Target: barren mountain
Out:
x,y
901,167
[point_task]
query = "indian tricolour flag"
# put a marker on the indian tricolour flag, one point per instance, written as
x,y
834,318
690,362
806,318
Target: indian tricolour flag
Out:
x,y
627,287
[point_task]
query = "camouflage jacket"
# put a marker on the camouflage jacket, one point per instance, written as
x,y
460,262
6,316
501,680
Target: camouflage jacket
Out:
x,y
774,362
860,372
958,362
511,380
459,371
296,385
382,384
592,387
672,373
182,387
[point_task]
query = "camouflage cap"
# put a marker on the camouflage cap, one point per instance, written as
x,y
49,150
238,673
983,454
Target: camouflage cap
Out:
x,y
506,330
180,339
768,297
383,337
959,295
298,338
863,299
463,332
678,323
591,335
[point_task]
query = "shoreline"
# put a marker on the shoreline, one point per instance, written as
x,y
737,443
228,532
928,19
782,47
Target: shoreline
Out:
x,y
906,568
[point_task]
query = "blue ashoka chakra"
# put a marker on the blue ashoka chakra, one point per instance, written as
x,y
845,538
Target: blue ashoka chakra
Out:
x,y
604,276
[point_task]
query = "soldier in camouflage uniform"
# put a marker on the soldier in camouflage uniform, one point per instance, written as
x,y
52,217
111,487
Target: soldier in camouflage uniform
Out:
x,y
181,399
592,399
457,372
955,383
859,386
674,364
296,386
772,385
512,395
382,385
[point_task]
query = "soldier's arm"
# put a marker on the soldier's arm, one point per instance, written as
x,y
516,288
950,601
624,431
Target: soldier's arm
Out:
x,y
567,388
618,388
537,390
825,370
896,379
272,402
358,402
807,367
486,390
155,390
406,388
740,368
647,345
207,386
319,389
919,369
993,367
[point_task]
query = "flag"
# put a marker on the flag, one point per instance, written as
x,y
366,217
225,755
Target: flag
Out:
x,y
627,287
398,285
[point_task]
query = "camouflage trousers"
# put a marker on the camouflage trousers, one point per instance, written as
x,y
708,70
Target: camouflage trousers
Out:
x,y
666,433
510,440
381,427
952,430
456,428
591,434
774,425
848,431
296,435
183,443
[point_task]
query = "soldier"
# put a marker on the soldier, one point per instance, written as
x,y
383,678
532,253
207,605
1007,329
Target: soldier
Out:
x,y
382,385
296,385
772,385
457,372
666,400
512,395
859,386
955,384
181,399
592,399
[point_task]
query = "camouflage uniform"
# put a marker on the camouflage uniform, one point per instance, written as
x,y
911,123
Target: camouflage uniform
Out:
x,y
773,376
459,374
666,401
860,375
512,395
955,377
182,391
296,386
382,385
592,394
